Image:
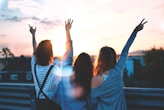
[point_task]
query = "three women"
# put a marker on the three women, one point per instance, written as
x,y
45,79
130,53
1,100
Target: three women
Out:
x,y
76,86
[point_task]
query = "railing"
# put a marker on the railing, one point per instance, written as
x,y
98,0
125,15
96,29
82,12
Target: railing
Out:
x,y
144,98
18,96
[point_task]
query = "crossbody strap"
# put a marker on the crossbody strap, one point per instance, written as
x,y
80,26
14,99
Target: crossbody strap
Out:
x,y
41,86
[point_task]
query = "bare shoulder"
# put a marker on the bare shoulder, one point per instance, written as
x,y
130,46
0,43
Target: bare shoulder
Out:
x,y
96,81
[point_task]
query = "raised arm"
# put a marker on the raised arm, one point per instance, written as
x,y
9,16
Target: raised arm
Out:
x,y
129,42
68,25
33,30
138,28
67,58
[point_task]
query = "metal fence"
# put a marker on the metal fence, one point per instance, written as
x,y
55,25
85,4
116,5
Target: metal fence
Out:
x,y
18,96
144,98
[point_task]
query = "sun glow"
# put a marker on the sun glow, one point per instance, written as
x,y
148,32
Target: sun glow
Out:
x,y
58,39
58,47
162,26
58,43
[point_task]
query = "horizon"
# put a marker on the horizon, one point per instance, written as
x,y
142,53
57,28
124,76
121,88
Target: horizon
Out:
x,y
133,53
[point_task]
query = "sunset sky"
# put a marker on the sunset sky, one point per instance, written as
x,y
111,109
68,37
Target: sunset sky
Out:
x,y
96,23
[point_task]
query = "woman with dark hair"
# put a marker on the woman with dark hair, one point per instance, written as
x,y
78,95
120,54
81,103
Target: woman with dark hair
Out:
x,y
83,72
107,91
76,78
46,73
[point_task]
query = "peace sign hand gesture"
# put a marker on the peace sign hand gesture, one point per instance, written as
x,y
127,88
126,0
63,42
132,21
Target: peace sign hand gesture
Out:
x,y
140,26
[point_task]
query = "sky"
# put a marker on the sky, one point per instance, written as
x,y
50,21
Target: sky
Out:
x,y
96,23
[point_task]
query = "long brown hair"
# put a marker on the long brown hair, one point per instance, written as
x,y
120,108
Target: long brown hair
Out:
x,y
83,68
44,53
106,60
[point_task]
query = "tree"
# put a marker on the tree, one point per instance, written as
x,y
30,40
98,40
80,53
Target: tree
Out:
x,y
139,71
154,61
6,53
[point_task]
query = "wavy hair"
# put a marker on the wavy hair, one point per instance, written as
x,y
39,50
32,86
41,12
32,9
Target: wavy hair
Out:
x,y
106,60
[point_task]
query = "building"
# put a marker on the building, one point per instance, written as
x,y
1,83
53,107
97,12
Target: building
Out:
x,y
137,55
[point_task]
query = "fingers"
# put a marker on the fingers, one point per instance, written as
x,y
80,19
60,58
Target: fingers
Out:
x,y
69,21
143,22
29,25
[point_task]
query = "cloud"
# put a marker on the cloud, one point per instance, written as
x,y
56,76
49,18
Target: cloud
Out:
x,y
21,10
20,19
44,21
50,23
3,45
12,10
2,35
39,1
11,15
14,18
3,4
35,18
47,23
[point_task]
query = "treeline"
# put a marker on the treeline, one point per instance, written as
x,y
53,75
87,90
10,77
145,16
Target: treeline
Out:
x,y
151,74
6,53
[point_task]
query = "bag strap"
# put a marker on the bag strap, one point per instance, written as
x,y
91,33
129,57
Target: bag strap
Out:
x,y
41,86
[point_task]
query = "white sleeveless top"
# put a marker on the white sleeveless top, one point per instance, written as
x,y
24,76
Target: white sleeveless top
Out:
x,y
105,76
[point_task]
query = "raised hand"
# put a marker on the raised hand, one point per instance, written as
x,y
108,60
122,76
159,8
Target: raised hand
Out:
x,y
68,24
140,26
32,30
69,47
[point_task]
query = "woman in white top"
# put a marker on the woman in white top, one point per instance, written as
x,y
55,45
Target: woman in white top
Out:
x,y
41,62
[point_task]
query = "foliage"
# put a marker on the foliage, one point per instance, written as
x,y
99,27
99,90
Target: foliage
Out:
x,y
139,70
6,53
154,61
151,74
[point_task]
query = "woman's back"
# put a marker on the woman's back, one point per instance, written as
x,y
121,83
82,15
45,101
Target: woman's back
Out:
x,y
73,77
69,102
109,94
52,80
